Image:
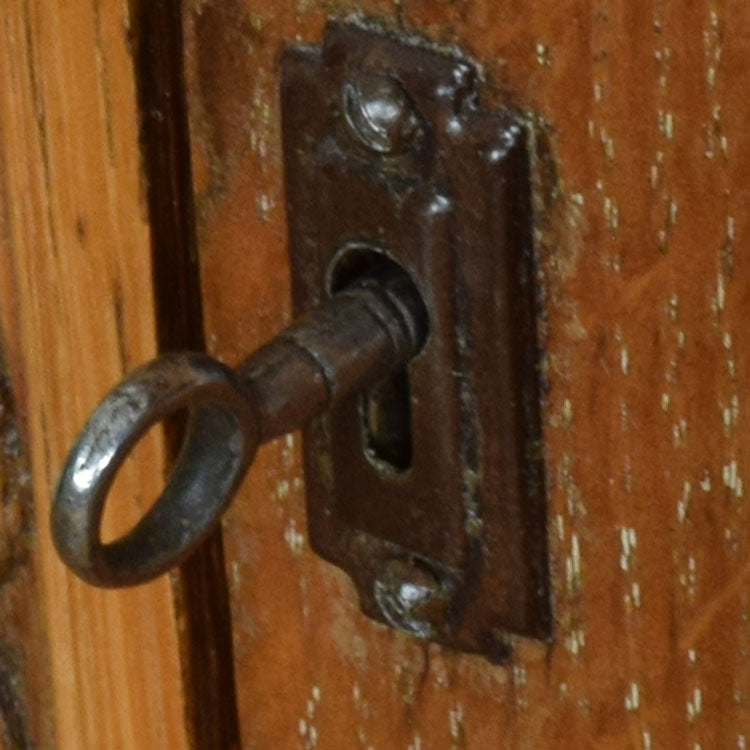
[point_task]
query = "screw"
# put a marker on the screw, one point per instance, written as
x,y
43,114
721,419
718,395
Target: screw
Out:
x,y
411,597
380,114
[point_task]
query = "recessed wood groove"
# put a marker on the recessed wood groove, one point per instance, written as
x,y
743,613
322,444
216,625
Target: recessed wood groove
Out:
x,y
202,595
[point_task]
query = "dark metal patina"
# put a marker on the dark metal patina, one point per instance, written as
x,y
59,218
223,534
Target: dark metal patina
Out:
x,y
386,148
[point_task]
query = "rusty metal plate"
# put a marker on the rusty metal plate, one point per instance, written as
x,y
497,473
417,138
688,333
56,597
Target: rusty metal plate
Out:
x,y
430,491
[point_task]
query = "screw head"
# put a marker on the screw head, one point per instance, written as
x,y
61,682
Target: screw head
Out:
x,y
379,113
411,597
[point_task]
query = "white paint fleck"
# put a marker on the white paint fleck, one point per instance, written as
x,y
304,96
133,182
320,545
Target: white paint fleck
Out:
x,y
654,176
683,504
673,212
543,56
732,479
560,525
726,418
608,144
628,541
646,740
662,237
679,432
624,360
567,411
720,291
456,719
282,489
636,594
666,124
633,697
674,306
688,581
575,641
294,540
727,340
695,705
705,483
665,401
669,126
575,555
611,213
264,205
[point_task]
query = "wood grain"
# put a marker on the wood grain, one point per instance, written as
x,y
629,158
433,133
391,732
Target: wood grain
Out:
x,y
639,111
25,694
78,307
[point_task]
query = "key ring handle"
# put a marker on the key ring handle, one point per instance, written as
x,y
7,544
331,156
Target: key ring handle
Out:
x,y
221,438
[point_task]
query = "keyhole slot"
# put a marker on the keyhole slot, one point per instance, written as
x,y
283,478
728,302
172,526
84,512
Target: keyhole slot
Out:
x,y
385,407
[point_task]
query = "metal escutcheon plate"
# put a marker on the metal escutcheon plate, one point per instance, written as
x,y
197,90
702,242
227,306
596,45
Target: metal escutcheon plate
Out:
x,y
388,152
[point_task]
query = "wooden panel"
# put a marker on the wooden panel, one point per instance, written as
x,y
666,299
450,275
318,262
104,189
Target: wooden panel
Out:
x,y
639,110
25,694
78,308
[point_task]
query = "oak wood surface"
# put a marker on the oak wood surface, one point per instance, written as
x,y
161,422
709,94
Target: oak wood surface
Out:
x,y
640,112
77,312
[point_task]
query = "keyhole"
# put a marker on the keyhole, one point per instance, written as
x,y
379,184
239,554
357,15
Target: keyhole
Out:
x,y
386,422
385,408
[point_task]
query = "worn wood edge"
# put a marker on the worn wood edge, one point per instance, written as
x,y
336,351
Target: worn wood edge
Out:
x,y
76,252
26,717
